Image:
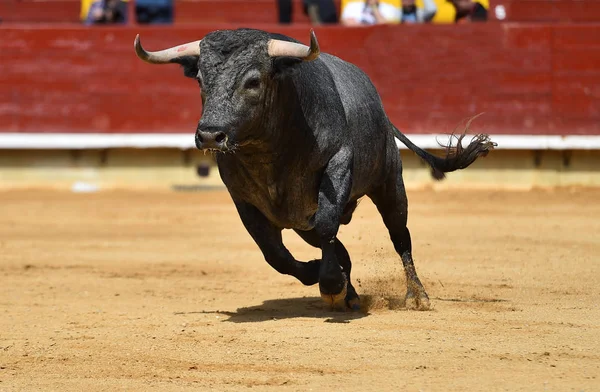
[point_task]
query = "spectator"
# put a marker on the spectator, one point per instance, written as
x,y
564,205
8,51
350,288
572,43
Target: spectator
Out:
x,y
318,11
154,11
415,11
469,11
285,11
105,12
445,13
369,12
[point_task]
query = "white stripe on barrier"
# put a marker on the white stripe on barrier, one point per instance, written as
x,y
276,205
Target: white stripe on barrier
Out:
x,y
186,141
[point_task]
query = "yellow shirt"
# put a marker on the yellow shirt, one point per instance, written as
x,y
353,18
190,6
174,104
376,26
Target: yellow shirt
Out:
x,y
390,9
395,3
446,11
85,8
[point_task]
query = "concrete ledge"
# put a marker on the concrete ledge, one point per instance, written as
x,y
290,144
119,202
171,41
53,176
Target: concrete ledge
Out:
x,y
47,141
166,168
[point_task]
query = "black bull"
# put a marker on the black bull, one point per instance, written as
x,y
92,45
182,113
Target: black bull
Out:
x,y
300,137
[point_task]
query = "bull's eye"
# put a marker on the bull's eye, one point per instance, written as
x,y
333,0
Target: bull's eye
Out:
x,y
252,84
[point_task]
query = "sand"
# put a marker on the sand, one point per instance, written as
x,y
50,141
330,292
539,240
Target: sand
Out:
x,y
166,291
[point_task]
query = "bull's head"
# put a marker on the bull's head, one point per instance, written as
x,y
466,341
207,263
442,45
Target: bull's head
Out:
x,y
237,74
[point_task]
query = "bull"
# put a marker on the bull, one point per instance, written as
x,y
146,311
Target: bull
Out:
x,y
300,136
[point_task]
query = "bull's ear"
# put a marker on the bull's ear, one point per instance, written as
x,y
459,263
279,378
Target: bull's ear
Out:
x,y
189,65
285,65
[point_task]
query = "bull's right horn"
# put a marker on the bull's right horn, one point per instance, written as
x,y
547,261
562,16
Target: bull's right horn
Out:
x,y
276,47
168,55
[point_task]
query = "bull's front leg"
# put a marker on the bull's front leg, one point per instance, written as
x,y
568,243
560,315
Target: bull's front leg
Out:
x,y
268,238
334,193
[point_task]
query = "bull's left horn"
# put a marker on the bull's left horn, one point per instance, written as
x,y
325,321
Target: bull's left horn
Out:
x,y
277,48
168,55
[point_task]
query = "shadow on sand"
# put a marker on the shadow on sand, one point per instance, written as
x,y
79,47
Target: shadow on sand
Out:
x,y
286,308
314,307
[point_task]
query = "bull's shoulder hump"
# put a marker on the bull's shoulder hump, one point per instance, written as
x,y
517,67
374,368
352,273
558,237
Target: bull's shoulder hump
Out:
x,y
352,83
337,65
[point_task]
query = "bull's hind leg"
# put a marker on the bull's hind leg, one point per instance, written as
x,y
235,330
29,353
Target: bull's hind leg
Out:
x,y
312,238
392,204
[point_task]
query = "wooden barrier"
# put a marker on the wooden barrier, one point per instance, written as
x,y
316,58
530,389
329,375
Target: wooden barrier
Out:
x,y
532,80
55,11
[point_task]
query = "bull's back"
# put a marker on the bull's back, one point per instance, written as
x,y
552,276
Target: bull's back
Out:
x,y
368,125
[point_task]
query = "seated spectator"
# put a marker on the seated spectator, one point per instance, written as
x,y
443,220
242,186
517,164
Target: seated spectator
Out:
x,y
370,12
469,11
154,11
445,12
459,11
318,11
285,11
104,12
415,11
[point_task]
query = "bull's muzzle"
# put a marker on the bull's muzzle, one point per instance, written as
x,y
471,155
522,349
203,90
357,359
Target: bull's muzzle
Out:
x,y
211,139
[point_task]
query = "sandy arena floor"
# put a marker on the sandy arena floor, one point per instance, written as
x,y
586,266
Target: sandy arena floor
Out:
x,y
167,291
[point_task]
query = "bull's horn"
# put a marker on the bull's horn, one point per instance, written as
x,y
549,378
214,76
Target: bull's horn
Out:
x,y
277,48
166,56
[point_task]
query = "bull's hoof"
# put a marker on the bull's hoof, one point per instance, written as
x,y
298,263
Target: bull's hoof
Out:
x,y
353,304
417,301
352,299
336,300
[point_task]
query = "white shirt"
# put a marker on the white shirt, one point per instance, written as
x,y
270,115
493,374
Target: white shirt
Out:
x,y
356,10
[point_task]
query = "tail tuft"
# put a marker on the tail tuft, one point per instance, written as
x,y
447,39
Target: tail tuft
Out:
x,y
437,174
457,157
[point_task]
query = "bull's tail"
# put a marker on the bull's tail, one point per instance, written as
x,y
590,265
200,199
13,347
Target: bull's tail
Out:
x,y
457,157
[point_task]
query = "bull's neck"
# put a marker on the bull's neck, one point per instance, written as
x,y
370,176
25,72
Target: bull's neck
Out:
x,y
282,132
279,145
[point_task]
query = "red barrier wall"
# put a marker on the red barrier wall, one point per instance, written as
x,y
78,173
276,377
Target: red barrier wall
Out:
x,y
542,79
54,11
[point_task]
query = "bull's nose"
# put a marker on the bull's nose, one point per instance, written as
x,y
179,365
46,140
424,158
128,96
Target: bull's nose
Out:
x,y
211,140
